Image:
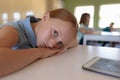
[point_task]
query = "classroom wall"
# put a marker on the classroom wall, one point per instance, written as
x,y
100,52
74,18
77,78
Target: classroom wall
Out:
x,y
22,6
71,4
39,7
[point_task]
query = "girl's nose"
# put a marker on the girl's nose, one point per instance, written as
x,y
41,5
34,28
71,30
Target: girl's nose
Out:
x,y
51,43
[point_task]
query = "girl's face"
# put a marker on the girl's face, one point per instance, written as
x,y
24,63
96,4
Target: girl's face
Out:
x,y
54,33
87,20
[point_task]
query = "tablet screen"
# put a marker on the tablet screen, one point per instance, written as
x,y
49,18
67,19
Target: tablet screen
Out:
x,y
105,66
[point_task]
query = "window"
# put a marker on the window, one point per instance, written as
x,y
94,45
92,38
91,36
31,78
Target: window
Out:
x,y
85,9
29,13
109,13
57,4
16,16
5,18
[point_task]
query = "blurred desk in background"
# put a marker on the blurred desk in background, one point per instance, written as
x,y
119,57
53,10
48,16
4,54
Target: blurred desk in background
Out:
x,y
102,36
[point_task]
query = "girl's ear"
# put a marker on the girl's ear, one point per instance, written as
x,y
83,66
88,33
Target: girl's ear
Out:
x,y
46,16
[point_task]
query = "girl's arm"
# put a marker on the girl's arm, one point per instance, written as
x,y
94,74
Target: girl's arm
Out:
x,y
14,60
84,31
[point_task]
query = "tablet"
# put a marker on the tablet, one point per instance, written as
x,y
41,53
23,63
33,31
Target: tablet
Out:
x,y
104,65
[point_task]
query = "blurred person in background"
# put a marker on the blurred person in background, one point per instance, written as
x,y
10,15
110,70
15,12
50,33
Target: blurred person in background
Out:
x,y
84,27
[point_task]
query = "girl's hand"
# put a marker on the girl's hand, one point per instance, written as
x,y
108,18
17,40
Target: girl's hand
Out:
x,y
46,52
72,44
61,51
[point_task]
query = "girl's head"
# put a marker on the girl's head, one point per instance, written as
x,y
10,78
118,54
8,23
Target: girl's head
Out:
x,y
57,29
111,24
85,18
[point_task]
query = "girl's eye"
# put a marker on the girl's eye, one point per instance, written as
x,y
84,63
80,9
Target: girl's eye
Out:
x,y
60,44
55,33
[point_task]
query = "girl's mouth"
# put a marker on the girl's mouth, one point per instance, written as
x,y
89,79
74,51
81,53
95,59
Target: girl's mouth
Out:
x,y
44,45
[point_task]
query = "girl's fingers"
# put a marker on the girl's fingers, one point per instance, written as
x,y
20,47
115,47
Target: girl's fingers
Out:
x,y
62,51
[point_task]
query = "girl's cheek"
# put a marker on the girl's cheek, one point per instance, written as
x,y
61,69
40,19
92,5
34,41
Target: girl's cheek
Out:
x,y
47,35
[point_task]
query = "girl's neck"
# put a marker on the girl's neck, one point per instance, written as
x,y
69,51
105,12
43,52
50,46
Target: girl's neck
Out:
x,y
34,26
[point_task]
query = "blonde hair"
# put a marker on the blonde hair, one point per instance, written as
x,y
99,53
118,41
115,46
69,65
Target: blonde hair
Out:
x,y
64,15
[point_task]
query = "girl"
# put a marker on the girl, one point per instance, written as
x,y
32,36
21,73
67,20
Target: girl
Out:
x,y
24,41
84,26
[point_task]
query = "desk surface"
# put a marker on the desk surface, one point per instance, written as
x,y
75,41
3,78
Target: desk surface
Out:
x,y
67,66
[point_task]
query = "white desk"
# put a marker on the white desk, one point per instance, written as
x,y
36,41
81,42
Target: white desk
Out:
x,y
102,36
67,66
